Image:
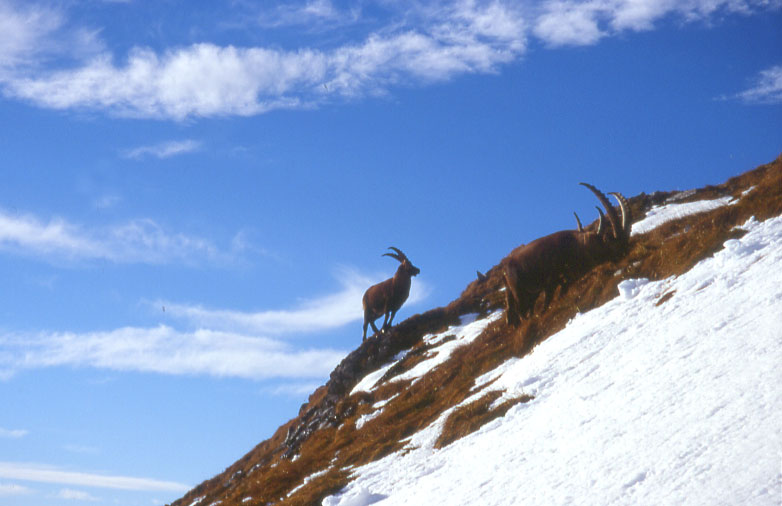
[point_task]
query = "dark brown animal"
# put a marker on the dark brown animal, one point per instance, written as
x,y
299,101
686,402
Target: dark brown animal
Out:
x,y
560,258
386,297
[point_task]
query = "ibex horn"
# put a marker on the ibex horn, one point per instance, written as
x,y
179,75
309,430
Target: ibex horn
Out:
x,y
600,222
612,216
399,256
627,217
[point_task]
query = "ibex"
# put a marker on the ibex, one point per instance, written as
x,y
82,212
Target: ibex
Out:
x,y
386,297
560,258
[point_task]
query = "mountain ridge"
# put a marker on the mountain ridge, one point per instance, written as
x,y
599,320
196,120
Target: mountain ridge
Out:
x,y
325,437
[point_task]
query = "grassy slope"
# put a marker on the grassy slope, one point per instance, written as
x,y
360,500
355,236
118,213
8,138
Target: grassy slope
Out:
x,y
671,249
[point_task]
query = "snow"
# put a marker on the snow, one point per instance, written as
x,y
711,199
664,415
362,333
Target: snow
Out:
x,y
658,215
377,409
635,402
464,333
197,500
308,479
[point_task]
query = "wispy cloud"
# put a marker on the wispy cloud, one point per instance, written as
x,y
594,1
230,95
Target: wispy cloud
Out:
x,y
137,241
81,449
106,201
163,150
766,88
308,13
578,23
76,495
224,343
46,474
24,30
419,43
12,434
292,389
316,314
165,350
210,80
32,34
9,489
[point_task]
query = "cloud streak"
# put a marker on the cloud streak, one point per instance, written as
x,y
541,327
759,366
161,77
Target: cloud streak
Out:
x,y
163,150
12,489
44,474
224,343
311,13
766,89
12,433
165,350
137,241
320,313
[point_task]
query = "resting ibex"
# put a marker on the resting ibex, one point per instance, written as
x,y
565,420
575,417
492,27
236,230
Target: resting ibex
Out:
x,y
386,297
560,258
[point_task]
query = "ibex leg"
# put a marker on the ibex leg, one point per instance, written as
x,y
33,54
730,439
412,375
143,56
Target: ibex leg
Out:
x,y
512,302
390,319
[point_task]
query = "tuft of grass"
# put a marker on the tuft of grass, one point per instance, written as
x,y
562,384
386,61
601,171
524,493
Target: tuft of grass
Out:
x,y
465,420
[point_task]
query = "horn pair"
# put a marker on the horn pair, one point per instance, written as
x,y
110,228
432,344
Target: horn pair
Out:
x,y
401,257
621,231
599,223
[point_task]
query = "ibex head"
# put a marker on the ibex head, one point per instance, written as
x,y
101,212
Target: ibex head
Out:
x,y
406,266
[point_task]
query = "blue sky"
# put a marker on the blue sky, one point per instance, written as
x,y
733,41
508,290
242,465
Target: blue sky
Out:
x,y
196,194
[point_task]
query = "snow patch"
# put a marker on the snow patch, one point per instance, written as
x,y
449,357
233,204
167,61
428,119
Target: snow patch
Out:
x,y
360,497
306,480
368,382
464,334
658,215
468,329
197,500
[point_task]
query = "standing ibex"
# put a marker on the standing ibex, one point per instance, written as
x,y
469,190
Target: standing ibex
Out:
x,y
560,258
386,297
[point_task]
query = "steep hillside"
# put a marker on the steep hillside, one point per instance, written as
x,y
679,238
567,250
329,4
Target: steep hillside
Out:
x,y
440,376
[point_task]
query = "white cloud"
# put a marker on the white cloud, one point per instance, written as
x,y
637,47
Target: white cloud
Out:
x,y
309,13
45,474
165,350
9,489
320,313
81,449
163,150
225,343
209,80
33,34
292,389
767,88
23,31
573,22
76,495
106,201
419,43
563,23
13,434
142,241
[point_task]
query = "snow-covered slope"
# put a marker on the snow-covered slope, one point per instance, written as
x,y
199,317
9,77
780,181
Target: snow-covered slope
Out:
x,y
669,394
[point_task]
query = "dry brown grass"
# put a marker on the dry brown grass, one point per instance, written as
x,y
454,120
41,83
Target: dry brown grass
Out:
x,y
666,251
468,418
